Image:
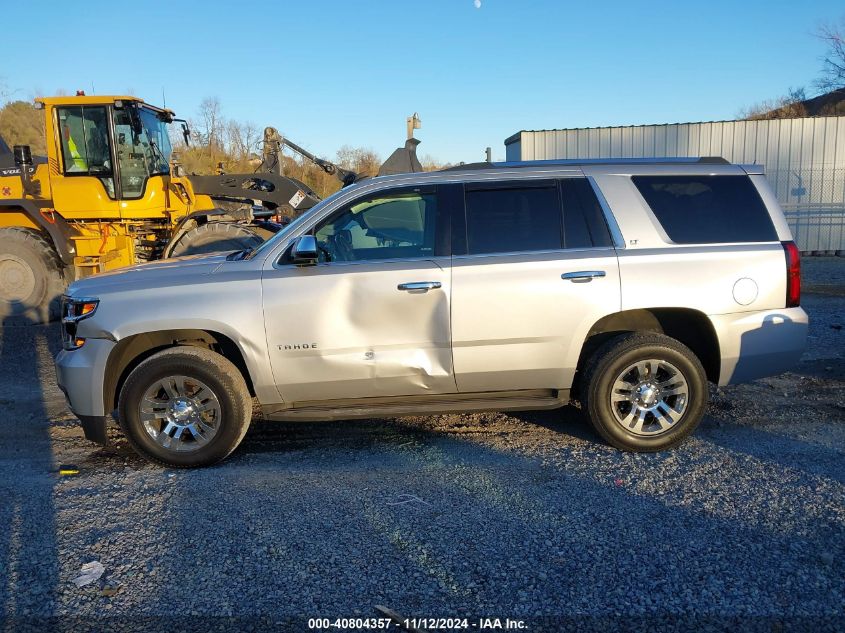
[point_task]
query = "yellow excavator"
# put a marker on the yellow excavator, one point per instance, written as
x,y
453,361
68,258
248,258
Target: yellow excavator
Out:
x,y
111,193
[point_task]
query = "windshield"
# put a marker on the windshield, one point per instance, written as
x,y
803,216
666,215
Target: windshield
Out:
x,y
143,152
159,140
293,226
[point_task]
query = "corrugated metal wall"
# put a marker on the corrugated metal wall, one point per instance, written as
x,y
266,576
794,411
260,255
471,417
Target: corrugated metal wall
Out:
x,y
804,160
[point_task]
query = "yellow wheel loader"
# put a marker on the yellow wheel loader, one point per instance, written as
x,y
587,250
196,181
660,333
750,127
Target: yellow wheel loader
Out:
x,y
109,194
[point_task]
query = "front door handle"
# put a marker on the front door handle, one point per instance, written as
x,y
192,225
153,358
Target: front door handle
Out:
x,y
582,276
423,286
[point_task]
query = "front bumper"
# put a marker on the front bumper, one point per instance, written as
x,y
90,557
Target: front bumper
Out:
x,y
80,374
759,344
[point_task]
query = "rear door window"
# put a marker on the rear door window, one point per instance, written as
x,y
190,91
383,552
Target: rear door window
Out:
x,y
513,217
707,209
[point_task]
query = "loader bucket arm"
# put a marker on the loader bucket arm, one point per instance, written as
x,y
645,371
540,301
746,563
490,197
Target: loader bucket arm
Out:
x,y
280,192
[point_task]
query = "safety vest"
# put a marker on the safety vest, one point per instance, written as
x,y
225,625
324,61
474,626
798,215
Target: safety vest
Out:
x,y
78,161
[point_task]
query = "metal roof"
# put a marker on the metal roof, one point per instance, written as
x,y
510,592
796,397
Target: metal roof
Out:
x,y
515,136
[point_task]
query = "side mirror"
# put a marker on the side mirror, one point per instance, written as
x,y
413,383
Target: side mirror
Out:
x,y
23,156
304,250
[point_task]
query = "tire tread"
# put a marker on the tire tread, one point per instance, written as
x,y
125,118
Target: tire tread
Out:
x,y
230,378
55,281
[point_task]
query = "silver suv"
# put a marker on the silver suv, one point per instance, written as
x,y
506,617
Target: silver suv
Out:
x,y
625,284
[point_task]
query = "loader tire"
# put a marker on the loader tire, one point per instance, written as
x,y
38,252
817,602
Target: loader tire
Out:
x,y
215,237
31,278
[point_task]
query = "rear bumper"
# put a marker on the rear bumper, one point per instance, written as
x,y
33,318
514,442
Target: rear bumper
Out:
x,y
80,374
758,344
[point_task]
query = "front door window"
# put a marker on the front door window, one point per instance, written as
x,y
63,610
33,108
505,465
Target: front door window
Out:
x,y
385,226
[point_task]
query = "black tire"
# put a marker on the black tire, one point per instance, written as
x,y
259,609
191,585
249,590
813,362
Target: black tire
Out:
x,y
611,359
215,237
212,369
31,277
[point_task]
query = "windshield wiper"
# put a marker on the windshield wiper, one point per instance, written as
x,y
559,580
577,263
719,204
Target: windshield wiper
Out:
x,y
157,155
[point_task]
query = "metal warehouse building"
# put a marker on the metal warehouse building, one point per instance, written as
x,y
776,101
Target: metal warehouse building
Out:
x,y
804,159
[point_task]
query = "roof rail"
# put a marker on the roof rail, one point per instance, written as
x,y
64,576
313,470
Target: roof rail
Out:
x,y
707,160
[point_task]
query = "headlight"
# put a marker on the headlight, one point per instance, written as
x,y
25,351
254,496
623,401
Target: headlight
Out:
x,y
74,310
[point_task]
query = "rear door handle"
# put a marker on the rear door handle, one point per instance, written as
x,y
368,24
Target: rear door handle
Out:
x,y
582,276
419,285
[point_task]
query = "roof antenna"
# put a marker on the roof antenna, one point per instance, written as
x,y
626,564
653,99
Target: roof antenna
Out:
x,y
163,100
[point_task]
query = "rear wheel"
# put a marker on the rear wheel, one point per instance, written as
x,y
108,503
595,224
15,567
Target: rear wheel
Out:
x,y
214,237
644,391
185,407
31,279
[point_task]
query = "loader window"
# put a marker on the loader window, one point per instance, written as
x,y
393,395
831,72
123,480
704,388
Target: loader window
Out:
x,y
140,154
84,134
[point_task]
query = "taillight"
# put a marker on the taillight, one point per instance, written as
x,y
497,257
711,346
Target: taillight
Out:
x,y
793,274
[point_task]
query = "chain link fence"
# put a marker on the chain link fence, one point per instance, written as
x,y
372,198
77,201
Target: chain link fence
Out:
x,y
813,201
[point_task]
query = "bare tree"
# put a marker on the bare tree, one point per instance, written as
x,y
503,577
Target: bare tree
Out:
x,y
430,163
209,129
242,140
361,160
787,107
5,91
833,63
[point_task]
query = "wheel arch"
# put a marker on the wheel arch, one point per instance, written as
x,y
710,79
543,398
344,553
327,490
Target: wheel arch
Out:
x,y
691,327
55,227
131,351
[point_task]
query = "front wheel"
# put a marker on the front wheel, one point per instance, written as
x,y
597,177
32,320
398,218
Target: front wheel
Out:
x,y
185,407
644,391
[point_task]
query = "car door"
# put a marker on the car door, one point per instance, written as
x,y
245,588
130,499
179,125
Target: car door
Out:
x,y
529,279
372,318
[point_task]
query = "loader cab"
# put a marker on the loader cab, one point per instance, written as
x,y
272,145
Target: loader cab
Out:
x,y
110,157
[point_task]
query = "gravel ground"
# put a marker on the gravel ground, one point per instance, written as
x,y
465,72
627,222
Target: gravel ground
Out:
x,y
522,516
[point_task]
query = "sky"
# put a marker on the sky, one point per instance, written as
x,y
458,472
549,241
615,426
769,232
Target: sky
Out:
x,y
329,73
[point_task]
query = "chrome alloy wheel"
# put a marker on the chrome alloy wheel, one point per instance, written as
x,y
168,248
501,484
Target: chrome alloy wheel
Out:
x,y
649,397
180,414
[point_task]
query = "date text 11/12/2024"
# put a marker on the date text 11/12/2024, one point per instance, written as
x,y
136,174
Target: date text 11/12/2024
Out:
x,y
413,624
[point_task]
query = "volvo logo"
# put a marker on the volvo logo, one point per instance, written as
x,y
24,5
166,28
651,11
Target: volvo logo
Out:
x,y
294,346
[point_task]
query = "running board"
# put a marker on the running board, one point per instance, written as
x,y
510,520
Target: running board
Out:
x,y
418,405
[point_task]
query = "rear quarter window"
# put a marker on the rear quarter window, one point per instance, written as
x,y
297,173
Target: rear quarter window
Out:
x,y
707,209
